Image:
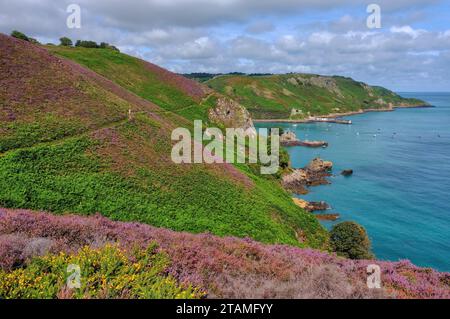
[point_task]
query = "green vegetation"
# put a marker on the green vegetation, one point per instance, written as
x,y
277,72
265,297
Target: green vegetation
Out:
x,y
22,36
350,240
65,42
275,96
75,150
105,273
86,176
19,35
136,76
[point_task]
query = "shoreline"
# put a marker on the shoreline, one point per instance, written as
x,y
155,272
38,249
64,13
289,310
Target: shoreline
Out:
x,y
338,115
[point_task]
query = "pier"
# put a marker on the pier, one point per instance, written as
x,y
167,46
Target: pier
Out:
x,y
330,120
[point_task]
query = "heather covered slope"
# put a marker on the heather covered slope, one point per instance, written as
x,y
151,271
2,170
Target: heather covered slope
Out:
x,y
68,145
170,91
274,96
220,267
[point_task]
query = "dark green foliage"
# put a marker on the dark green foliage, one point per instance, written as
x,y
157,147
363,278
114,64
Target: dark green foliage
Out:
x,y
19,35
65,41
86,44
349,239
105,45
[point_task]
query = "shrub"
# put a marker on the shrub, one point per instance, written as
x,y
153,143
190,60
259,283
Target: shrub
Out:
x,y
66,42
86,44
19,35
349,239
105,273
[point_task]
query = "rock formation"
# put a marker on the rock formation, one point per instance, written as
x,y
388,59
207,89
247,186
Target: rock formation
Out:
x,y
289,138
347,172
313,174
311,206
231,114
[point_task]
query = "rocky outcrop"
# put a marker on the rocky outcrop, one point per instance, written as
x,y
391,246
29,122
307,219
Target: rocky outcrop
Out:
x,y
230,114
315,173
311,206
318,165
347,172
324,82
289,139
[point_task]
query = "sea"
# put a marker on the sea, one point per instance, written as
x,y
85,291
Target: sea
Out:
x,y
400,188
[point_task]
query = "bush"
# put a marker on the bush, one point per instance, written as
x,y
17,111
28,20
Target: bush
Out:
x,y
105,45
66,42
105,273
349,239
19,35
86,44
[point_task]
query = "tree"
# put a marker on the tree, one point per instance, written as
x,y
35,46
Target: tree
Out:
x,y
65,41
86,44
19,35
349,239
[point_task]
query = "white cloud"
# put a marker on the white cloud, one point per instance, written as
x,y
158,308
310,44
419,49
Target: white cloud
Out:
x,y
407,30
253,35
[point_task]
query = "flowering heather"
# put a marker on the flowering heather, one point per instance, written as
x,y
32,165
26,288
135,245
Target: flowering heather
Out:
x,y
225,267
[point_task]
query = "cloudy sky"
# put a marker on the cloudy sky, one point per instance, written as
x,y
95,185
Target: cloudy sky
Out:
x,y
410,52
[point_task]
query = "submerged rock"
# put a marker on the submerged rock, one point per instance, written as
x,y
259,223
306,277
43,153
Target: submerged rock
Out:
x,y
347,172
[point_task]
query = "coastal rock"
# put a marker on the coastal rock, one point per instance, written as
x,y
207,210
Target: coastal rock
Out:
x,y
313,174
316,206
347,172
319,166
310,206
230,114
295,182
289,138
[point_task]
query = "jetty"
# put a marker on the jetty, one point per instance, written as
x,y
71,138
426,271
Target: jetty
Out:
x,y
331,120
335,120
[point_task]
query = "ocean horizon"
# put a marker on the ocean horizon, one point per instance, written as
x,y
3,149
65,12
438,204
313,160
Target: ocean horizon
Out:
x,y
400,187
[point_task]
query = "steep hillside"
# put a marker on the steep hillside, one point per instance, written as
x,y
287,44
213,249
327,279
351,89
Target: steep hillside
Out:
x,y
275,96
168,90
220,267
68,144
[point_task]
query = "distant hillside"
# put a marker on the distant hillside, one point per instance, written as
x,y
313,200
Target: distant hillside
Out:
x,y
67,144
275,96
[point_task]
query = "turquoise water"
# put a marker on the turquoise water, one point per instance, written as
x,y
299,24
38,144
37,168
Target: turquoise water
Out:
x,y
401,184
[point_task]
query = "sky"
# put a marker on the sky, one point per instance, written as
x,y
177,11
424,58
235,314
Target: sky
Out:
x,y
410,52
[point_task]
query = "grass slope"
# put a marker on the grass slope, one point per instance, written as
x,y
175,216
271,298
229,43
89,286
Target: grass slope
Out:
x,y
274,96
170,91
67,145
